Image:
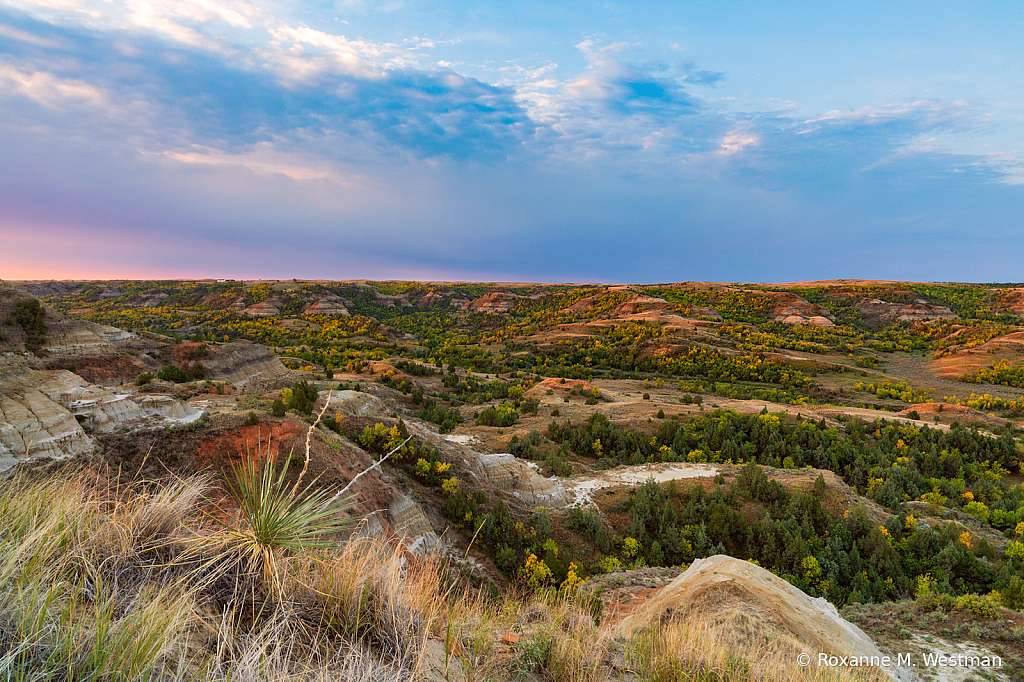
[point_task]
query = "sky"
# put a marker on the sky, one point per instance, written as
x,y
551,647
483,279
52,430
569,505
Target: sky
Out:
x,y
512,141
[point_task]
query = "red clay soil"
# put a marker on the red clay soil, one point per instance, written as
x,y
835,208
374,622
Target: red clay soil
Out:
x,y
954,365
254,442
105,370
187,356
556,385
624,601
941,408
332,463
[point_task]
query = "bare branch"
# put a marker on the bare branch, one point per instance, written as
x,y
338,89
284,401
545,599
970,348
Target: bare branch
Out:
x,y
309,434
365,471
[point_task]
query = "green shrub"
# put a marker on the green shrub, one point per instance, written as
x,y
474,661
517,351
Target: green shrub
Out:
x,y
584,522
542,523
557,464
934,601
30,315
446,418
1013,593
300,397
985,606
503,415
252,419
173,373
144,378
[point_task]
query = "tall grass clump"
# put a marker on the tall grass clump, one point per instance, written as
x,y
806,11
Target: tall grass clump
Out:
x,y
563,644
78,594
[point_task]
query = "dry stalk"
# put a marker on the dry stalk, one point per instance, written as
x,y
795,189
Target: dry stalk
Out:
x,y
367,470
309,434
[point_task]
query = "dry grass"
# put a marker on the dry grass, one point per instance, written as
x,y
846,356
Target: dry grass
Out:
x,y
136,583
735,649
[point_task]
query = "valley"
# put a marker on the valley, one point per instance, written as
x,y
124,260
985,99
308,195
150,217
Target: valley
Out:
x,y
857,443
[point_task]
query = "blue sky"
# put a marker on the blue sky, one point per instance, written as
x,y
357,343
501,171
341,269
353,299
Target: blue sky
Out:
x,y
537,141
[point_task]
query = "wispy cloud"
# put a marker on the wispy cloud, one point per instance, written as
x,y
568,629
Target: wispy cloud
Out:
x,y
618,84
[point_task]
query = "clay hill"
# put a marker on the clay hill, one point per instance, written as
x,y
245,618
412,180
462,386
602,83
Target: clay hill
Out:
x,y
755,604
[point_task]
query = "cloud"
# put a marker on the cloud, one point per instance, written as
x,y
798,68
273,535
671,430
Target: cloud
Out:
x,y
617,84
739,138
691,74
223,101
50,90
26,37
218,134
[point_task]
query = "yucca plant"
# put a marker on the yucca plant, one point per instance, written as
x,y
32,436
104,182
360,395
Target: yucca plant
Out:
x,y
273,519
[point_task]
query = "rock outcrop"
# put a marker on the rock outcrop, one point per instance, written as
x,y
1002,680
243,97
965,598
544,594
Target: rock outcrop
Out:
x,y
65,336
796,315
410,523
69,337
328,305
50,413
354,404
494,302
32,425
154,300
792,309
267,308
880,313
720,586
515,476
101,411
243,364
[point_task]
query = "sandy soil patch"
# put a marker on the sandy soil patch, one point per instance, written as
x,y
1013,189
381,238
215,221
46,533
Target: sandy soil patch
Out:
x,y
582,488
